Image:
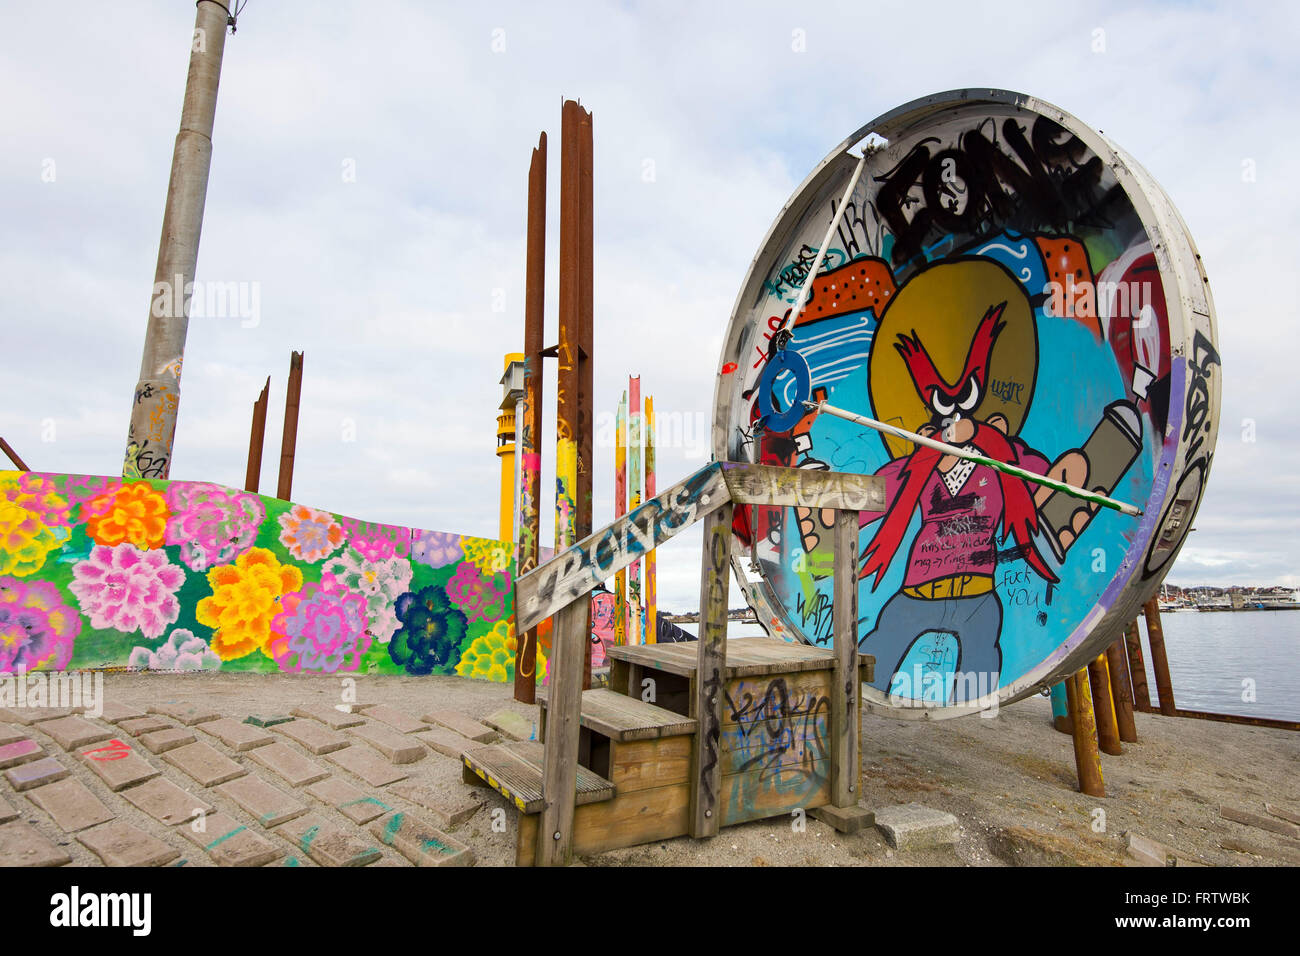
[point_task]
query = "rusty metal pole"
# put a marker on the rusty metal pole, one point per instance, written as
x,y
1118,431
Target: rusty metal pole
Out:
x,y
586,338
1103,707
1159,661
1137,667
257,438
1087,761
13,455
1121,692
289,441
151,434
530,448
568,422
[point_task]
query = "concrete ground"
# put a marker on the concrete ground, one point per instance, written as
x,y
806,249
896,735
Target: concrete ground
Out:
x,y
1008,780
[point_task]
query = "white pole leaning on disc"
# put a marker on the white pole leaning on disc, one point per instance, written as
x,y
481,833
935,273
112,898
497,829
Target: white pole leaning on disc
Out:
x,y
802,300
1002,466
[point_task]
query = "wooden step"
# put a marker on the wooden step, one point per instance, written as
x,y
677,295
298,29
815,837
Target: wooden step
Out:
x,y
624,718
515,771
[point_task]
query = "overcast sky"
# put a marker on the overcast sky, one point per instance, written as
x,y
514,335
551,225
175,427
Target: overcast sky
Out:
x,y
405,286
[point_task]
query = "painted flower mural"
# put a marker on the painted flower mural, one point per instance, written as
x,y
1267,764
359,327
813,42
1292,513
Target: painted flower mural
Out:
x,y
432,630
127,589
382,582
482,599
320,628
182,651
308,534
245,598
437,549
490,557
190,576
492,656
377,542
37,629
212,524
132,513
33,522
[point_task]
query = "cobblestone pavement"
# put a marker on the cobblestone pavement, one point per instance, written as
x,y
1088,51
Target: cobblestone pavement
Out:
x,y
179,771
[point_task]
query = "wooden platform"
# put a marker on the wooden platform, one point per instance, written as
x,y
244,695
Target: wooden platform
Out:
x,y
744,656
515,771
624,718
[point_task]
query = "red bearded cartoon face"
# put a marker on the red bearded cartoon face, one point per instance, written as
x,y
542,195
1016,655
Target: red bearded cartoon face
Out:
x,y
959,399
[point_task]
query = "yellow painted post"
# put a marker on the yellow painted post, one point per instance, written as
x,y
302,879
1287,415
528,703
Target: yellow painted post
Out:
x,y
1087,762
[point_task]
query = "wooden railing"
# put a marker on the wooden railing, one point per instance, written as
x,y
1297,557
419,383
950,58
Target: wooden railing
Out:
x,y
560,587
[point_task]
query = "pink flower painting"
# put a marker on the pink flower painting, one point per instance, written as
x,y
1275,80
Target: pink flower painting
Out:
x,y
37,629
212,524
126,589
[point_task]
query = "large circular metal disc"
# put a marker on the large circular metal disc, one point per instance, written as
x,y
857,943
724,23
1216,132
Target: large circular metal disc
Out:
x,y
1010,280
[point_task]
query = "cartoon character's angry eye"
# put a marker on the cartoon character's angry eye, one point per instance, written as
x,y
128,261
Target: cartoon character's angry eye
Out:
x,y
945,404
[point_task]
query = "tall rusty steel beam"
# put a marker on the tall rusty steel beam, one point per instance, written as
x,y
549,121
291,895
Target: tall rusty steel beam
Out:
x,y
530,448
256,439
586,338
289,440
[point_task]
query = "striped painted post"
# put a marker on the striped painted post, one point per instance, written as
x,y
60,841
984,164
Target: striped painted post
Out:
x,y
620,509
651,586
634,635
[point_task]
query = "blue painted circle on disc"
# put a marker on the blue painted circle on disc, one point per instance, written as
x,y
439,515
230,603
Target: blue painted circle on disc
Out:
x,y
786,360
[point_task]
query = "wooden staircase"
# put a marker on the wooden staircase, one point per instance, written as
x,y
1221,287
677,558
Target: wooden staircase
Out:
x,y
632,782
616,771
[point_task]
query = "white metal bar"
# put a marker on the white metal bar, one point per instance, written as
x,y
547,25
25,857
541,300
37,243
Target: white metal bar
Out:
x,y
1004,467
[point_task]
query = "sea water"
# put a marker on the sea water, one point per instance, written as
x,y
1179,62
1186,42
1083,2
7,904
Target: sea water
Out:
x,y
1232,662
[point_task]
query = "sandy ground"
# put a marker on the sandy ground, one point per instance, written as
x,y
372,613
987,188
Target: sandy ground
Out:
x,y
1009,780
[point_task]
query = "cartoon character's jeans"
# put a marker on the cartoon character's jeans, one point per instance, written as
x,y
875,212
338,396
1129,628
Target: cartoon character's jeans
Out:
x,y
975,622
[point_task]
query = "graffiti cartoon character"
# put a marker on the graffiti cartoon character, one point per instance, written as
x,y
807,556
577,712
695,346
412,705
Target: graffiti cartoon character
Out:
x,y
967,509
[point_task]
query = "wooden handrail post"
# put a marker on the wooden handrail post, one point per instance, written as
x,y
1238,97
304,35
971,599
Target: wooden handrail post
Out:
x,y
1121,692
846,689
1103,707
1159,660
1137,667
560,758
715,580
1087,761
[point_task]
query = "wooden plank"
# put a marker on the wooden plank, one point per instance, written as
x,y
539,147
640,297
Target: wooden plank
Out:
x,y
803,488
515,771
746,656
646,764
775,745
770,698
760,794
846,685
715,578
623,718
572,574
560,762
640,816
